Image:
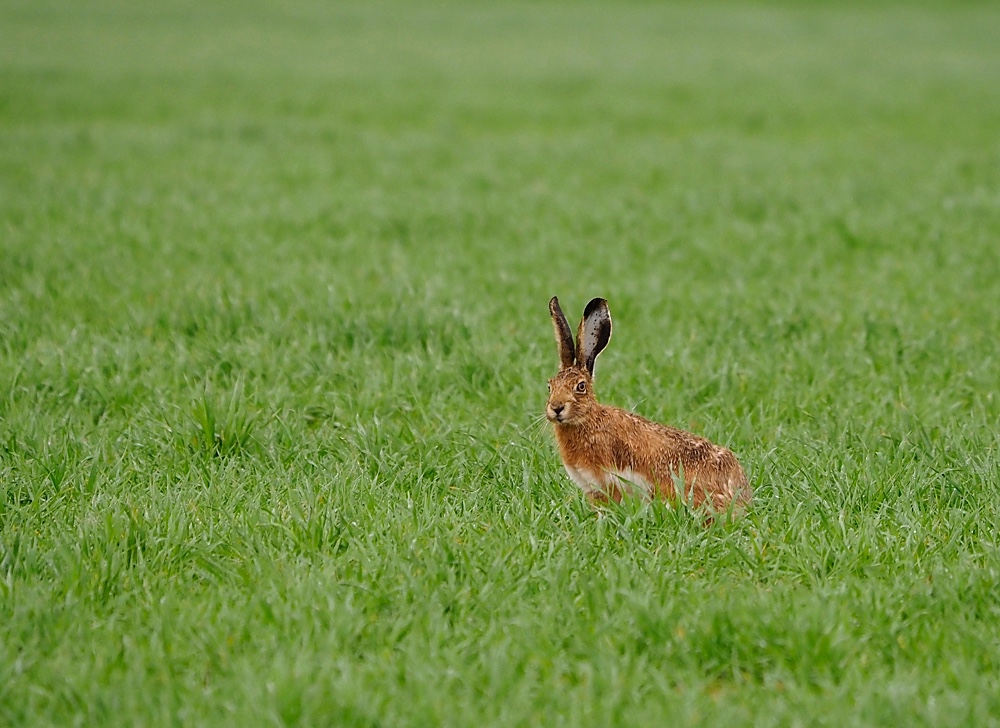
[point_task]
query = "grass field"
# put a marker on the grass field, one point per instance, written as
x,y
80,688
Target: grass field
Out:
x,y
274,343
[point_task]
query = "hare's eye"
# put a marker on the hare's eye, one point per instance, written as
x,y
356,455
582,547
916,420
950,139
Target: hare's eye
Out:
x,y
581,387
549,384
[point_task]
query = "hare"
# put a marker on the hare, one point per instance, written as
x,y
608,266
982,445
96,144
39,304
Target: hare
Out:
x,y
609,452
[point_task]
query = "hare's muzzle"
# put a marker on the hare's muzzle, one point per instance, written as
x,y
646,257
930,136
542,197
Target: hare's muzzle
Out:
x,y
555,412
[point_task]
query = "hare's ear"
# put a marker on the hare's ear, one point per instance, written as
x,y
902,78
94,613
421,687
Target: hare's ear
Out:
x,y
564,335
594,333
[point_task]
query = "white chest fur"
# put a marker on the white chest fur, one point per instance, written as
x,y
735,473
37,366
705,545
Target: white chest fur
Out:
x,y
585,479
590,481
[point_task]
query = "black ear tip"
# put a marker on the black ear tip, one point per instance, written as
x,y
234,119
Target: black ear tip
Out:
x,y
595,305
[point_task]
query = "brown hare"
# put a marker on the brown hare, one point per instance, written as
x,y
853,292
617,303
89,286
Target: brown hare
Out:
x,y
609,452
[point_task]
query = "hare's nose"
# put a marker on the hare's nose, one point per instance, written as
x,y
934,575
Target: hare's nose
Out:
x,y
558,409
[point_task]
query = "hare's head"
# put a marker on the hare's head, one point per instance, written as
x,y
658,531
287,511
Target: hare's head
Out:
x,y
571,391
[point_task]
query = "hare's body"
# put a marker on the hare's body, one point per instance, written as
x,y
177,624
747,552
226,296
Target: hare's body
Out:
x,y
602,459
609,452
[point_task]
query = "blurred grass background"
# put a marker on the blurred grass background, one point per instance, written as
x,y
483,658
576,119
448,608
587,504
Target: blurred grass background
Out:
x,y
273,345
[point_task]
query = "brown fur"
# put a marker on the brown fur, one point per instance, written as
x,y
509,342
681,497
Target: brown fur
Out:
x,y
609,451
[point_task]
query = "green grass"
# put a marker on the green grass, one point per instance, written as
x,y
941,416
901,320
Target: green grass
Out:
x,y
274,343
